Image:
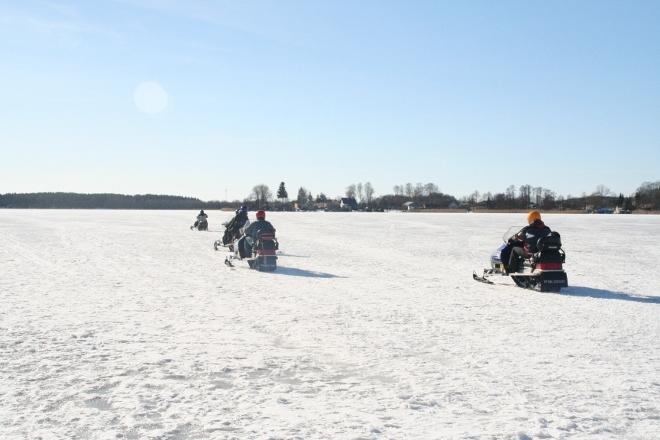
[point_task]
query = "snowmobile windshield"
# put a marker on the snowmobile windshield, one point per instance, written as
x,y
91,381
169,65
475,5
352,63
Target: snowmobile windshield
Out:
x,y
513,230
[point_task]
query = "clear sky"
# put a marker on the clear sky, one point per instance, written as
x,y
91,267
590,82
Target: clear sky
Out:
x,y
207,98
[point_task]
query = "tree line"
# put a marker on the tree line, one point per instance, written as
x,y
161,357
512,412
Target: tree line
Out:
x,y
422,196
429,196
65,200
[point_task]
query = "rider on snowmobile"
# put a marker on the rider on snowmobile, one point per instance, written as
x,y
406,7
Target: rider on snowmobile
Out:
x,y
524,243
252,232
234,225
239,219
200,218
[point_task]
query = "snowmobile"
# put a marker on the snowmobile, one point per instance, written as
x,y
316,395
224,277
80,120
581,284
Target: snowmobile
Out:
x,y
260,253
542,272
232,233
200,225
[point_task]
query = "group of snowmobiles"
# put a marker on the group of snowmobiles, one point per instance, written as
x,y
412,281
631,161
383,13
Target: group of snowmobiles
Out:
x,y
253,242
533,256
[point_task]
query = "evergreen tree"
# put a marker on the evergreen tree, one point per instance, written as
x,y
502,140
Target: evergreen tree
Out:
x,y
281,192
302,198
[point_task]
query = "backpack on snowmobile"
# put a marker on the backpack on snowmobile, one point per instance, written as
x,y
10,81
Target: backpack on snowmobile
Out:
x,y
543,271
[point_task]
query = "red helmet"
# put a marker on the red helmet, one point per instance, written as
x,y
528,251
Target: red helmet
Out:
x,y
261,214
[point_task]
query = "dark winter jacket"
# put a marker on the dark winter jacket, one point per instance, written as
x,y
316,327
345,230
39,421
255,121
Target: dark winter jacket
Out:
x,y
259,227
530,235
237,222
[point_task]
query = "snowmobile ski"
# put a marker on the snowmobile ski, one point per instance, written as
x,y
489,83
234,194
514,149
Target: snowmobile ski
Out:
x,y
482,278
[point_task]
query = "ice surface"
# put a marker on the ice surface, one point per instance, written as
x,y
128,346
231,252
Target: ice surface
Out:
x,y
126,324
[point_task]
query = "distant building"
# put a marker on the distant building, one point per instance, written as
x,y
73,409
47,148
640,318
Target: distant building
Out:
x,y
409,206
348,204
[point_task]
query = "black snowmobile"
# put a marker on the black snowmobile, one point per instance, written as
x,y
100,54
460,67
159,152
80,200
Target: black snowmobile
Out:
x,y
233,231
543,272
201,224
261,254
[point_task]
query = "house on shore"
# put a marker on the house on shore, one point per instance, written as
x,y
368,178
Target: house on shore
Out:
x,y
410,206
348,204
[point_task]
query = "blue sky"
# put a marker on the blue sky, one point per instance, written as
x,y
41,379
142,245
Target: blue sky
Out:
x,y
470,95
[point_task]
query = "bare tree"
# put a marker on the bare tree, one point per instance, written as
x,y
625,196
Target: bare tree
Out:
x,y
418,190
548,198
538,195
360,194
474,197
602,190
511,193
409,189
430,188
261,194
350,190
368,193
398,190
525,195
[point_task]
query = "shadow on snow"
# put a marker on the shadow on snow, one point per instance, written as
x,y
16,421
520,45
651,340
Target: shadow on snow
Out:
x,y
607,294
291,271
282,254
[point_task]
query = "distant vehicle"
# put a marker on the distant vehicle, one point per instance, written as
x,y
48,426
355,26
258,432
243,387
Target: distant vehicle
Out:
x,y
604,211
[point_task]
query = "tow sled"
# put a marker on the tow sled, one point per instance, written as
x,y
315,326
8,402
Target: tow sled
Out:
x,y
542,272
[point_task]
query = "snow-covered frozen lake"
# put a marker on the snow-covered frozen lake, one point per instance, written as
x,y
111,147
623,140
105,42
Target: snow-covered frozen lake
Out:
x,y
126,324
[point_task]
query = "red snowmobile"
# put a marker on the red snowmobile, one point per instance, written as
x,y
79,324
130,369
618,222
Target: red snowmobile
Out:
x,y
261,254
542,271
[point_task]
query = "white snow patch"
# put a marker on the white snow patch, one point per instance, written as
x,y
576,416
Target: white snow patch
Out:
x,y
126,324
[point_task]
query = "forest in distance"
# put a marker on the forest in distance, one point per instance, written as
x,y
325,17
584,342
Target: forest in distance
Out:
x,y
357,197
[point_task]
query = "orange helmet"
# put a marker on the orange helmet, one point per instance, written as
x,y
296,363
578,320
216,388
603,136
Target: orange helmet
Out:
x,y
261,214
533,216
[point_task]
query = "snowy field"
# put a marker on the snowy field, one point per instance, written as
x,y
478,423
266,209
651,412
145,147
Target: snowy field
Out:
x,y
126,324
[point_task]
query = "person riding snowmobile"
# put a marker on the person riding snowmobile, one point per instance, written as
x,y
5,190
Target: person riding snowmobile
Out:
x,y
233,227
251,234
524,244
200,218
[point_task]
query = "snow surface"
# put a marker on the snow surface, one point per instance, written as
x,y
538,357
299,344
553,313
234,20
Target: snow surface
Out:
x,y
126,324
